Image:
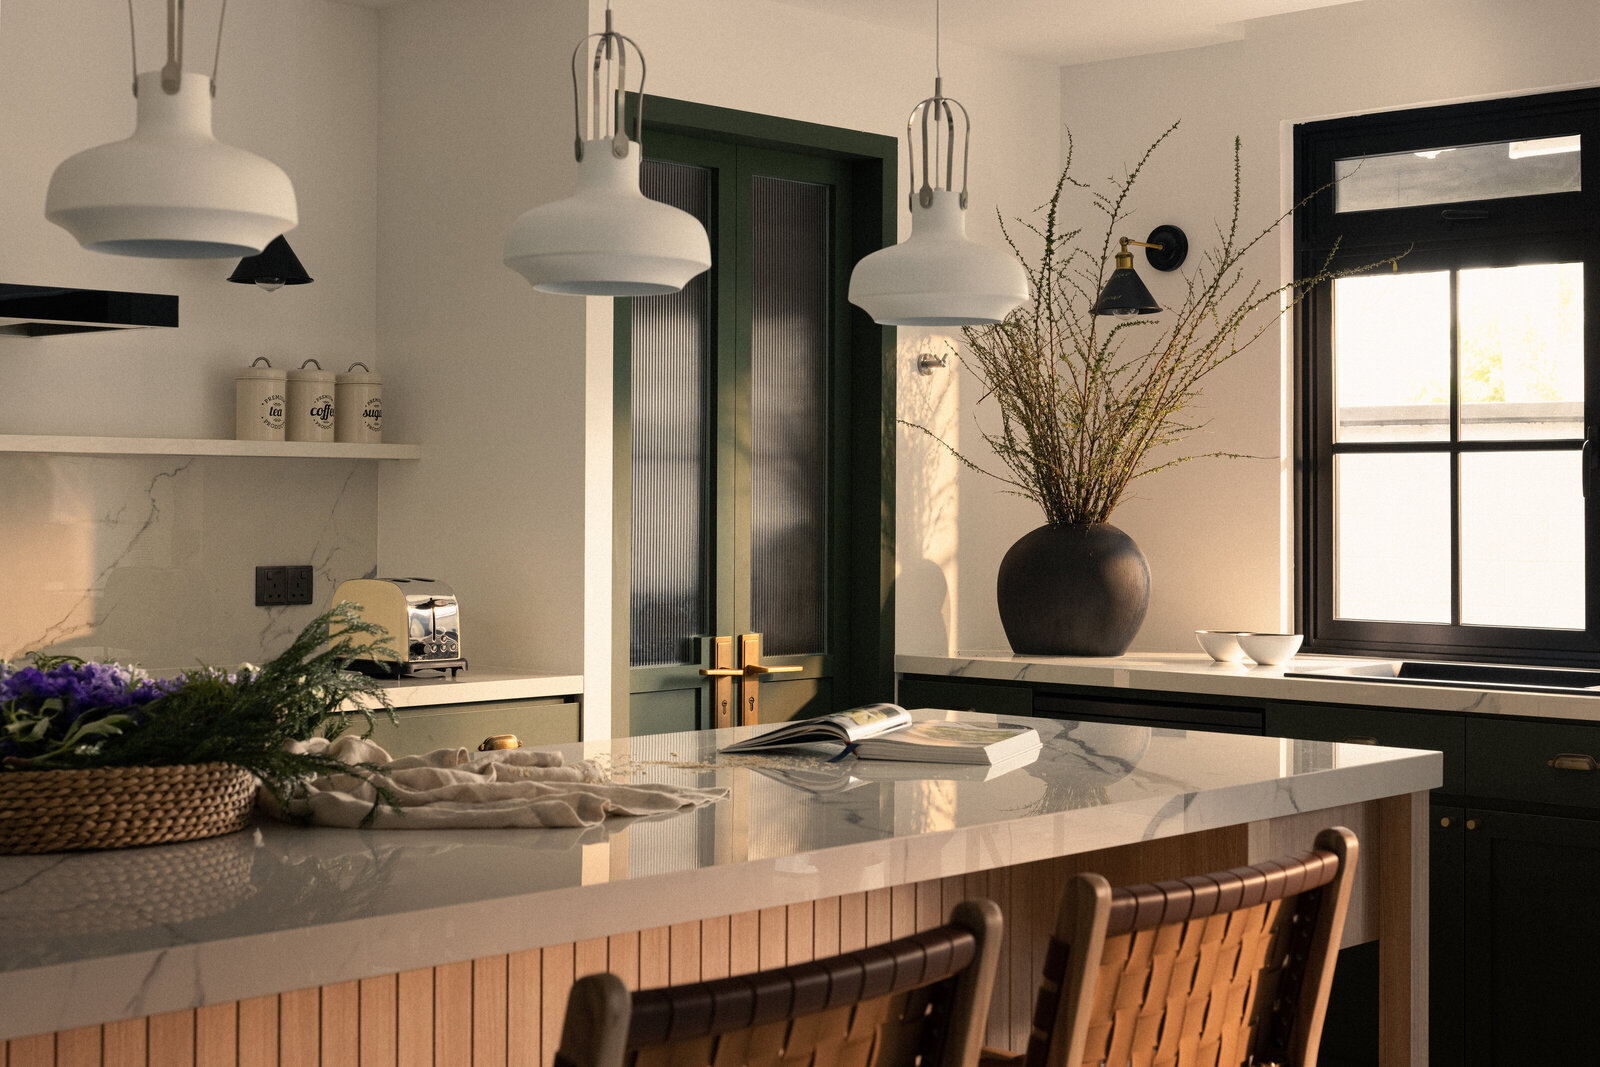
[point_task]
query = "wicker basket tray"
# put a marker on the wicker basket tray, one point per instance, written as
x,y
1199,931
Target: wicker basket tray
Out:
x,y
117,807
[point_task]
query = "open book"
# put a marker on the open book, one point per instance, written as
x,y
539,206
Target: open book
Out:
x,y
886,731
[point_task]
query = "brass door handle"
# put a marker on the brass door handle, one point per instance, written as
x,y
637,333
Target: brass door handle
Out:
x,y
1574,761
757,668
721,672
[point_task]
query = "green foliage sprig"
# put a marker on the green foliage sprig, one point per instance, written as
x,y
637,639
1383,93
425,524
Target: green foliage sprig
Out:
x,y
51,719
1082,404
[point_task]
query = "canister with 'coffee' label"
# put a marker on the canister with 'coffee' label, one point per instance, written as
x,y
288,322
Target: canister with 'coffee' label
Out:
x,y
358,398
260,405
311,406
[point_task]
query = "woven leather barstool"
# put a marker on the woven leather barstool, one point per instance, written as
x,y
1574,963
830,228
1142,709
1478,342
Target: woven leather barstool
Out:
x,y
918,999
1220,970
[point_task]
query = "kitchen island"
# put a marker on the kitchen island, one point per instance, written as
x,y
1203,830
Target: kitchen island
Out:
x,y
284,944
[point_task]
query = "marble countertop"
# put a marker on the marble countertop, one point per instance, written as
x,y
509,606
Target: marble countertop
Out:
x,y
1198,675
89,937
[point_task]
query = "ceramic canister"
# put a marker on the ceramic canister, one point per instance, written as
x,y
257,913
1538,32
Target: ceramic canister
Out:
x,y
259,402
311,404
358,398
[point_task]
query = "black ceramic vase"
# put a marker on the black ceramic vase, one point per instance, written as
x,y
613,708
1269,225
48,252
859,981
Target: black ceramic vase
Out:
x,y
1073,591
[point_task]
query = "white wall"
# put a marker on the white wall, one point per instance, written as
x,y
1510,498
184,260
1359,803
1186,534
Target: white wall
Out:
x,y
474,129
153,559
1215,531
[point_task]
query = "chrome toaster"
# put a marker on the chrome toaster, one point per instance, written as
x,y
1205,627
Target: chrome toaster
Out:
x,y
421,616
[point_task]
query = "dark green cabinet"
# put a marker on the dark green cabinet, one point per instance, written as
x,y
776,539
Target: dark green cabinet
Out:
x,y
1447,927
1532,935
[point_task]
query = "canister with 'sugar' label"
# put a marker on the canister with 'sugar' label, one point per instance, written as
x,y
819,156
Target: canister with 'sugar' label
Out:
x,y
358,395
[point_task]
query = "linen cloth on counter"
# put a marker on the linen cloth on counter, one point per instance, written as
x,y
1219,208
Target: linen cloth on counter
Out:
x,y
454,788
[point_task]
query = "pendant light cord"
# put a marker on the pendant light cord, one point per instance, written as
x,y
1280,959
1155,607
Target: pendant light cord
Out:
x,y
172,71
608,120
941,110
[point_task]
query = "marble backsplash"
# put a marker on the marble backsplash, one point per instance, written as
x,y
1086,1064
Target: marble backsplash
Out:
x,y
151,559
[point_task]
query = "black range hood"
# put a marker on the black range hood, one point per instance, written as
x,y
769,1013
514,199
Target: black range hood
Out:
x,y
42,311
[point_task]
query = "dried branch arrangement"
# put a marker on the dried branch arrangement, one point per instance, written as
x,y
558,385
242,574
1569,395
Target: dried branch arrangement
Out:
x,y
1085,400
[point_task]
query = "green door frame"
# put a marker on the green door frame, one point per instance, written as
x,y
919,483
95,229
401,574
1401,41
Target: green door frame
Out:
x,y
868,420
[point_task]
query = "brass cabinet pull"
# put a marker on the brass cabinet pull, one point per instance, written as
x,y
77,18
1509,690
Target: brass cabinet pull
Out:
x,y
499,741
1472,824
1359,740
1444,820
1574,761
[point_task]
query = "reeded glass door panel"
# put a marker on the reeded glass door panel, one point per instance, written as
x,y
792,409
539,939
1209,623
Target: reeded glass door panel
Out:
x,y
1391,336
789,386
1392,537
1521,344
1522,539
1452,175
673,343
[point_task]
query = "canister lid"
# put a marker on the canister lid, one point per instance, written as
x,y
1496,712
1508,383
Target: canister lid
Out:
x,y
261,369
303,374
359,377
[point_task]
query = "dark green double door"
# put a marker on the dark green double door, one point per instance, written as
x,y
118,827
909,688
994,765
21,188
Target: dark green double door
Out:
x,y
735,457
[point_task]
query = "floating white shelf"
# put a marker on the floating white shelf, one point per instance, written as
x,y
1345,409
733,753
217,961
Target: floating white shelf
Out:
x,y
197,446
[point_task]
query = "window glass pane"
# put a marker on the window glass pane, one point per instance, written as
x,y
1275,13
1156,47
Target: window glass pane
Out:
x,y
672,349
1522,539
1521,342
1392,537
1452,175
789,385
1391,343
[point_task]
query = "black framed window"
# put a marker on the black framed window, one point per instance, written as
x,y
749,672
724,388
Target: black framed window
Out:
x,y
1446,405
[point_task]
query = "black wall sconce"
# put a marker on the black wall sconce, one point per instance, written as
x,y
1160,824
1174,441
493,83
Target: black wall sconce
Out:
x,y
274,266
1124,294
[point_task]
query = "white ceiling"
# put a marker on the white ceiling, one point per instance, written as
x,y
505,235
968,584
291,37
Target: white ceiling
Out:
x,y
1058,31
1070,31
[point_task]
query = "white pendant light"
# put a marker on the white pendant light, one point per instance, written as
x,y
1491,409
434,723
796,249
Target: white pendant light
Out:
x,y
172,190
608,238
938,276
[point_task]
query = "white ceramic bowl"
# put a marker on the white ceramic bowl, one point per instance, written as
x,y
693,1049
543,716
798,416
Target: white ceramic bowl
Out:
x,y
1270,649
1221,645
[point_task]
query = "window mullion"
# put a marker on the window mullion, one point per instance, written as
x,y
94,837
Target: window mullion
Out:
x,y
1455,448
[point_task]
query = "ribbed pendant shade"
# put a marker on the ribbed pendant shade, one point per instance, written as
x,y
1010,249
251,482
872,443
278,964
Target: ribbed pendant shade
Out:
x,y
171,190
607,238
938,276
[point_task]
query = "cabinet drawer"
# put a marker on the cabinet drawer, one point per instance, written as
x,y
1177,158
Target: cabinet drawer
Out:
x,y
1377,726
1066,704
423,729
1513,761
990,697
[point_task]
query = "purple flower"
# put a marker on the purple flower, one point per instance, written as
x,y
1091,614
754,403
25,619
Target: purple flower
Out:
x,y
64,697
